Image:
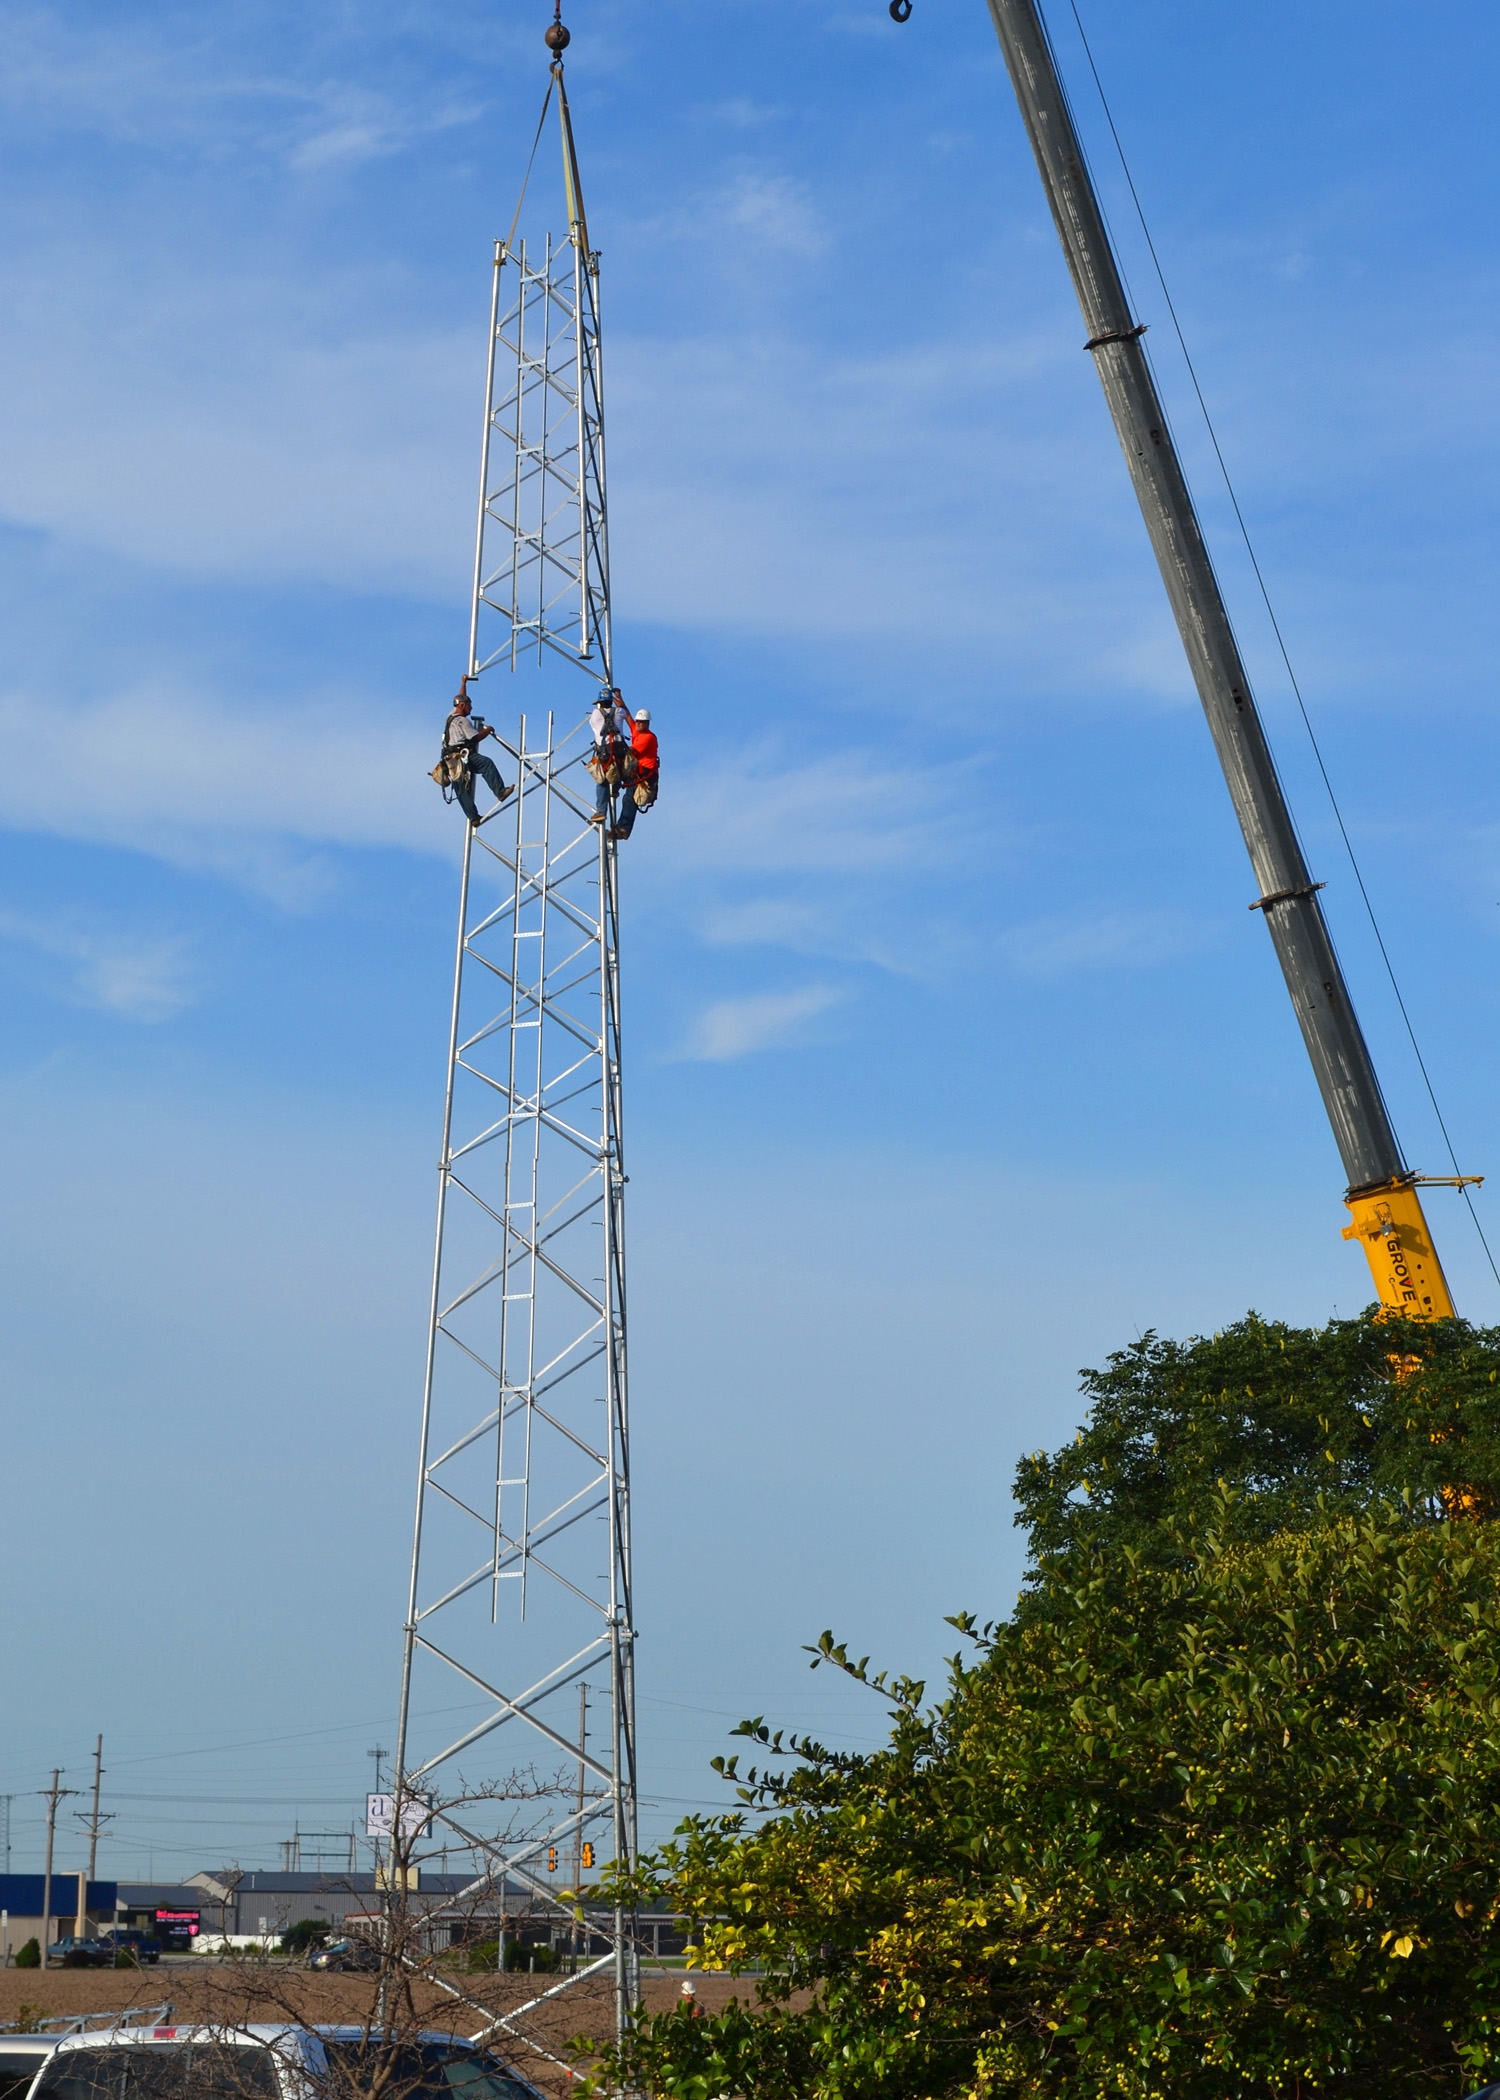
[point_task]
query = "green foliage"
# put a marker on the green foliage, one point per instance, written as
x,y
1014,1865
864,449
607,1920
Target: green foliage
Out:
x,y
1212,1818
29,2019
305,1934
29,1956
527,1955
519,1955
1203,1830
1293,1418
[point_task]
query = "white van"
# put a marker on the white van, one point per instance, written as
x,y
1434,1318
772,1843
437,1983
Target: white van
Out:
x,y
280,2062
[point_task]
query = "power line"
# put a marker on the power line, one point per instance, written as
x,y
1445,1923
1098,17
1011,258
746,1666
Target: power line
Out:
x,y
1280,638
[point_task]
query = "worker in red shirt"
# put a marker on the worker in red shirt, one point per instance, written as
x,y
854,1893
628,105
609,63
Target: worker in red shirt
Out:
x,y
647,773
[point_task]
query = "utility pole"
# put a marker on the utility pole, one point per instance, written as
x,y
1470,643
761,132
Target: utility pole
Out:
x,y
380,1754
583,1743
94,1818
54,1794
5,1801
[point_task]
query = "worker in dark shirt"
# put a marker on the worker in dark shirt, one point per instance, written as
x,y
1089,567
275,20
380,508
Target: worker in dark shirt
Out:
x,y
465,731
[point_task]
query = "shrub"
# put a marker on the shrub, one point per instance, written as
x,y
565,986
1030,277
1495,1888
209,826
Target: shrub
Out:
x,y
306,1933
526,1954
30,1956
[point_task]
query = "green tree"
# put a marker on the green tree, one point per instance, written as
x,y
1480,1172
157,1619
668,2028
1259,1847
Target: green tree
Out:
x,y
1212,1816
304,1935
1293,1417
29,1956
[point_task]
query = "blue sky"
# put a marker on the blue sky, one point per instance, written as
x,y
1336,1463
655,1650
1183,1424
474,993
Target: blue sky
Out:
x,y
956,1059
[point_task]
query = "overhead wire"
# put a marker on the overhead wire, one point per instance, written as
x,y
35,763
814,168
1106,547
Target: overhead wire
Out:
x,y
1281,639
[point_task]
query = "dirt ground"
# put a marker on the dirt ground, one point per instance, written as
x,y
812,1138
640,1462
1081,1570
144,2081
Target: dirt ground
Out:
x,y
242,1991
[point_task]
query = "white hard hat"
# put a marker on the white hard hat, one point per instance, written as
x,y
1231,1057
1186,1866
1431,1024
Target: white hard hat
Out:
x,y
643,714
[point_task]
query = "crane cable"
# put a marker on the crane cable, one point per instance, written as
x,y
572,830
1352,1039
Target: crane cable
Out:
x,y
1280,638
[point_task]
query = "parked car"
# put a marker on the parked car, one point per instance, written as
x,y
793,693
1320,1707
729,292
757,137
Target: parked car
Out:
x,y
74,1953
125,1939
344,1954
269,2063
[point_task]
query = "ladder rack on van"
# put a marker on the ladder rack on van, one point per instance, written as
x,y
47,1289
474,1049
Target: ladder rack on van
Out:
x,y
91,2023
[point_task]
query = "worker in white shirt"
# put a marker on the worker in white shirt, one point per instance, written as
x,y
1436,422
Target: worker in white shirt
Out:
x,y
613,761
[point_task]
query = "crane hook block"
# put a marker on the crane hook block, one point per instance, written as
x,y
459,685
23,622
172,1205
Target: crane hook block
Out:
x,y
558,39
900,10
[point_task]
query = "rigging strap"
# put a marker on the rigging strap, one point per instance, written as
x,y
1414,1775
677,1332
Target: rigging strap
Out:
x,y
531,162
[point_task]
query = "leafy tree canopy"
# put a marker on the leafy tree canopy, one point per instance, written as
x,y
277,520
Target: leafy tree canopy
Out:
x,y
1213,1816
1294,1418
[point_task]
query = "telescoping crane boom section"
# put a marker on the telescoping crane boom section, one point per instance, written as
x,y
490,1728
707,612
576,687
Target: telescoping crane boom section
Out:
x,y
1382,1192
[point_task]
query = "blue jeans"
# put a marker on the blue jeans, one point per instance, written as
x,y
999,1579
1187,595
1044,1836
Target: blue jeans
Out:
x,y
630,809
486,770
606,797
618,818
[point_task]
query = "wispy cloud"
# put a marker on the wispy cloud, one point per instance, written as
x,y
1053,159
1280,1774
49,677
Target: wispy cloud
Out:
x,y
254,799
243,428
734,1028
934,494
1112,940
135,81
787,812
257,422
739,113
840,858
775,211
142,977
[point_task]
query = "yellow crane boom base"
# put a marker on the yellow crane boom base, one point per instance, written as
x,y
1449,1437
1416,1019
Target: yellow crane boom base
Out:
x,y
1389,1223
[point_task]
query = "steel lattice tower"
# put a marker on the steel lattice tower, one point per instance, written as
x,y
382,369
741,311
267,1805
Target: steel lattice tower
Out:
x,y
521,1563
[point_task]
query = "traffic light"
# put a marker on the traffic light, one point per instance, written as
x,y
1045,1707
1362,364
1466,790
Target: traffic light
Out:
x,y
588,1855
552,1859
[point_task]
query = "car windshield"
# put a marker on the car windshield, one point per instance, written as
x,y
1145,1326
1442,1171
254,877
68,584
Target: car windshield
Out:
x,y
17,2069
359,2070
162,2071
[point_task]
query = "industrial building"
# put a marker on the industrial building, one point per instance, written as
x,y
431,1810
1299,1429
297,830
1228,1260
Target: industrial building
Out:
x,y
227,1904
171,1911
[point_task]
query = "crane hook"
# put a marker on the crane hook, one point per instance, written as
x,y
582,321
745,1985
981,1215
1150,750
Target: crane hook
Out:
x,y
900,10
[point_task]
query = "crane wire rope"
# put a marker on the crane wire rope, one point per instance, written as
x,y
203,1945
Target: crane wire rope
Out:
x,y
1280,638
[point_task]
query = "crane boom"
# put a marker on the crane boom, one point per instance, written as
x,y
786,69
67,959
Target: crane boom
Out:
x,y
1382,1194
